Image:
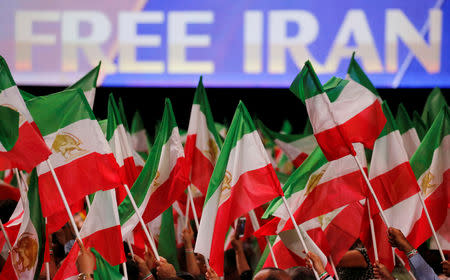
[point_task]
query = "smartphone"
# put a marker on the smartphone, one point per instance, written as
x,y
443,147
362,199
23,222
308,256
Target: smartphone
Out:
x,y
240,228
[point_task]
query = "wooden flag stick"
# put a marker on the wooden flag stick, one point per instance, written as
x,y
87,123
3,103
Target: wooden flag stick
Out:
x,y
47,271
334,268
256,226
125,272
297,229
369,185
63,197
141,221
425,209
372,232
194,211
186,220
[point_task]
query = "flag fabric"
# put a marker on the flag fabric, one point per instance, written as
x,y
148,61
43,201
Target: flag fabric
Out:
x,y
203,143
420,126
356,73
167,245
121,148
27,254
82,158
297,147
101,230
8,192
242,180
431,166
88,84
21,145
163,179
12,228
407,130
103,270
138,159
139,137
353,115
395,186
433,105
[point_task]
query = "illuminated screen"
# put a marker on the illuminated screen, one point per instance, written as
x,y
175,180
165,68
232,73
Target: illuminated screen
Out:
x,y
253,43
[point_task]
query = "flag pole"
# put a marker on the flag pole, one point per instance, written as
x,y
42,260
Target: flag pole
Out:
x,y
334,267
297,229
130,248
47,271
425,209
125,272
88,203
141,221
63,197
194,211
372,232
6,236
186,221
256,226
369,185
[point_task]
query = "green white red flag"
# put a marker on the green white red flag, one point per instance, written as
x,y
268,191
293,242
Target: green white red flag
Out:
x,y
409,134
163,179
242,180
101,230
431,166
433,105
123,152
21,145
203,143
88,84
139,137
352,116
27,254
81,156
395,186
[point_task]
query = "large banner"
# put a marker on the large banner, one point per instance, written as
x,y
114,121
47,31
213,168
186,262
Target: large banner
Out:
x,y
251,43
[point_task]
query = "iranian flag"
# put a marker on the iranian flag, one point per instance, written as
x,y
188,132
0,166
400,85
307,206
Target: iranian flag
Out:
x,y
407,130
163,179
395,186
433,105
242,180
203,143
101,230
21,145
138,160
356,73
81,156
297,147
12,228
352,116
431,166
420,126
139,137
121,148
88,84
27,255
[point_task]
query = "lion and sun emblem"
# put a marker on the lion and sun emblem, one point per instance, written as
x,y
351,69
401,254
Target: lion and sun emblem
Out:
x,y
25,253
68,145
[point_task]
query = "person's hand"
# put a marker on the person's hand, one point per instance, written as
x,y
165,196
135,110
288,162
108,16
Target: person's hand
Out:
x,y
446,268
398,240
211,274
142,266
237,245
164,269
381,272
314,262
188,237
86,260
150,259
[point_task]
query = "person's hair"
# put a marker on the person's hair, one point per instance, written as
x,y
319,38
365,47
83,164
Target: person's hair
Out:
x,y
274,273
301,273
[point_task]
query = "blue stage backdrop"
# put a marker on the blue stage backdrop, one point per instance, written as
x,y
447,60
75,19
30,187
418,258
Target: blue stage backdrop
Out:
x,y
252,43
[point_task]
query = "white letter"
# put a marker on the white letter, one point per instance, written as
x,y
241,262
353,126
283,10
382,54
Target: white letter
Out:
x,y
398,26
72,40
178,40
279,42
25,37
355,23
253,41
129,40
